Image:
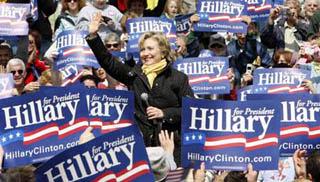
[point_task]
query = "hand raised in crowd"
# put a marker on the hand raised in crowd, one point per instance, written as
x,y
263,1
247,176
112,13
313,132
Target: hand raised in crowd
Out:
x,y
200,174
95,23
154,113
251,175
299,160
2,69
31,87
274,14
246,19
166,141
246,78
32,56
194,18
307,84
86,136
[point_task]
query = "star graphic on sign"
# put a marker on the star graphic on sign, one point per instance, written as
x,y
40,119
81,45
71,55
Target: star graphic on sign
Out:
x,y
200,137
187,138
10,136
193,137
4,139
18,134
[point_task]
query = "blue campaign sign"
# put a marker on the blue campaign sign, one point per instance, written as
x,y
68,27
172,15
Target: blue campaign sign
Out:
x,y
6,85
243,92
280,80
183,24
13,19
137,26
31,120
259,10
300,121
110,109
228,135
71,74
117,156
58,115
221,16
73,49
206,75
278,2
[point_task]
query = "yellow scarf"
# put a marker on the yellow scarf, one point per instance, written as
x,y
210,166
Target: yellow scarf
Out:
x,y
151,4
151,71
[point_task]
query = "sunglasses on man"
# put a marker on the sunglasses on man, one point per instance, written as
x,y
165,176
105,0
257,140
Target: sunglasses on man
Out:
x,y
16,71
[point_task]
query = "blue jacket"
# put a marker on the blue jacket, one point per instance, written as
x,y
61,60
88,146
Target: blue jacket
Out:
x,y
251,50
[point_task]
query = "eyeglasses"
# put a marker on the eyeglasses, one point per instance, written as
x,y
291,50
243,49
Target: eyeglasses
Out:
x,y
69,1
112,45
31,42
16,71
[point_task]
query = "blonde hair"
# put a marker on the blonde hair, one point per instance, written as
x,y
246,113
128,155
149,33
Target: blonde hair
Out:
x,y
163,42
46,77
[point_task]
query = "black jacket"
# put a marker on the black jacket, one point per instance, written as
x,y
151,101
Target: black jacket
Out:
x,y
166,94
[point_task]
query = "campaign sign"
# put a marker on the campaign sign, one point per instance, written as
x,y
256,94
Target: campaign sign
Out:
x,y
138,26
259,10
228,135
221,16
183,24
30,121
280,80
6,85
300,121
71,74
117,156
206,75
13,19
110,109
73,49
243,92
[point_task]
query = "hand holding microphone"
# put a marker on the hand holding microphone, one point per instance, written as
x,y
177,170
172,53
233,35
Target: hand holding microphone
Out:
x,y
152,112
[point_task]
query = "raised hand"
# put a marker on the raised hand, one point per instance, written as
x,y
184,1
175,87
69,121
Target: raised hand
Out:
x,y
95,23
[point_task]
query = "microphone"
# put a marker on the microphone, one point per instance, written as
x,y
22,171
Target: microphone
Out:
x,y
144,96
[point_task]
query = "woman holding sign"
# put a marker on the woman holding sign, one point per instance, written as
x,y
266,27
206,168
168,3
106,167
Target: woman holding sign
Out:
x,y
158,88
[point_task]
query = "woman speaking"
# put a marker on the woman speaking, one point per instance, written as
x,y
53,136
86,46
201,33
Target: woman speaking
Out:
x,y
157,87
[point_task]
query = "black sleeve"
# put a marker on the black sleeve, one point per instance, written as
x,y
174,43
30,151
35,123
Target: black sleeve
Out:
x,y
48,7
114,68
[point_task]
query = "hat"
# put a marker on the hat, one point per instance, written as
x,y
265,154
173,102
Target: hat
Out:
x,y
158,162
217,39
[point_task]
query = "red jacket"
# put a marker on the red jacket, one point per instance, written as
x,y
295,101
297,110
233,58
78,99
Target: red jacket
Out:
x,y
39,67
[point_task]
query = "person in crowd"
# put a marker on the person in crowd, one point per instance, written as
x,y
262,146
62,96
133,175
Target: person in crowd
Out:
x,y
42,24
90,81
164,85
34,66
289,30
69,15
111,17
112,42
46,78
282,59
172,8
310,7
307,167
140,8
5,54
18,69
